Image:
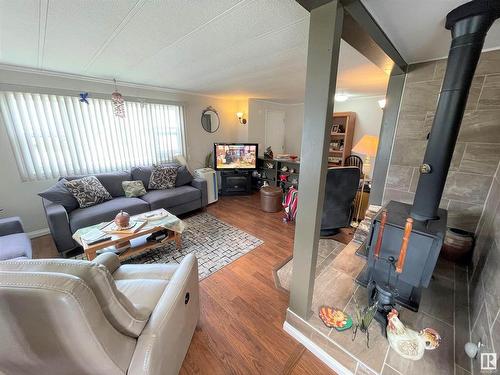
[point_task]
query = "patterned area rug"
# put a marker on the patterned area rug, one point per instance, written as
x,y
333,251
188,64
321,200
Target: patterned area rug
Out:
x,y
214,242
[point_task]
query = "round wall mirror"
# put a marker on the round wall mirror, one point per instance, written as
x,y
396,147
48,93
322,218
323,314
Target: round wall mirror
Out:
x,y
210,120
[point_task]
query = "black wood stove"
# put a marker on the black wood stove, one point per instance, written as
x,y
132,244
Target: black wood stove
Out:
x,y
405,240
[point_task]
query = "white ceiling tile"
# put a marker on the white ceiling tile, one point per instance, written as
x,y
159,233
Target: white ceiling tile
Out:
x,y
76,29
156,26
19,32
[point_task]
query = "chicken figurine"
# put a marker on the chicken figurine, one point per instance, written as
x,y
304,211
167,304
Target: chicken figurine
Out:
x,y
405,341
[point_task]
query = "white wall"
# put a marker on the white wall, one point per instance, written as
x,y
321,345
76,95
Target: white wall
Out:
x,y
368,115
294,119
20,198
368,120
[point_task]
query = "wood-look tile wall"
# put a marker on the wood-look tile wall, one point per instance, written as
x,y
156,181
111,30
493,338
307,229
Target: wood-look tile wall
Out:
x,y
484,286
477,152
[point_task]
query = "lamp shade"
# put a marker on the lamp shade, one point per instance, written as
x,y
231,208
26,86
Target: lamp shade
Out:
x,y
367,145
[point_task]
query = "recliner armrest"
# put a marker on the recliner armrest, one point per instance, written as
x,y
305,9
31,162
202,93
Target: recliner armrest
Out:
x,y
58,221
11,225
163,343
201,184
110,260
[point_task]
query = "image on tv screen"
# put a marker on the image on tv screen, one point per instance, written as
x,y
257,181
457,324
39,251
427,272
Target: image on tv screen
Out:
x,y
236,156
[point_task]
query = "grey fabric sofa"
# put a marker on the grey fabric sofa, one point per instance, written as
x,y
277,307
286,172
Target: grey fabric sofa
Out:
x,y
188,195
14,243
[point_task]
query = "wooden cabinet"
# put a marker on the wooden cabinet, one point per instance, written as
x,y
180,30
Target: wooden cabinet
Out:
x,y
341,134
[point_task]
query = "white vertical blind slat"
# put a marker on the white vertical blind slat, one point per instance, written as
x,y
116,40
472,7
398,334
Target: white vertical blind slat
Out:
x,y
55,135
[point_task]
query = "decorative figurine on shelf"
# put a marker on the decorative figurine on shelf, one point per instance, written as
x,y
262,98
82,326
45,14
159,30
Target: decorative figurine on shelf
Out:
x,y
283,179
364,317
335,318
256,174
292,170
284,169
122,219
268,154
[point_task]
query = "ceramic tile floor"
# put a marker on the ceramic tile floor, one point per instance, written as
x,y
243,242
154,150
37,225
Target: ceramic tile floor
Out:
x,y
444,307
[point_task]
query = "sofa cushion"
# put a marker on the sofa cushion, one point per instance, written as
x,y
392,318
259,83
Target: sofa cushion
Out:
x,y
133,188
88,191
60,194
122,313
163,177
84,217
171,197
112,181
143,173
13,246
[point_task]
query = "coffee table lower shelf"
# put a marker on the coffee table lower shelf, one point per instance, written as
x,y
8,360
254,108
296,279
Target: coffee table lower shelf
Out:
x,y
138,245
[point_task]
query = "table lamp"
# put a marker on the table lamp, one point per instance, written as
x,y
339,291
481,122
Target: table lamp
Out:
x,y
367,146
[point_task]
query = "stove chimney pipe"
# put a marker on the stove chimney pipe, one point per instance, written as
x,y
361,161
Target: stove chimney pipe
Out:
x,y
469,24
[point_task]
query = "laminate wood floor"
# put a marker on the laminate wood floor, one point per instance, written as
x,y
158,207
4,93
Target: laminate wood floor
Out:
x,y
242,312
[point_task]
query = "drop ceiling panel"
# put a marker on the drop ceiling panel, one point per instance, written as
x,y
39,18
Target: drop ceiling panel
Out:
x,y
19,32
157,25
76,29
226,34
243,60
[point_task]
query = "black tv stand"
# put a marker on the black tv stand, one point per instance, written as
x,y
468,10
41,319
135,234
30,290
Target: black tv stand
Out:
x,y
236,182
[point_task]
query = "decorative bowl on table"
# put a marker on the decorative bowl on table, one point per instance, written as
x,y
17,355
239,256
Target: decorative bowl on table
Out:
x,y
122,220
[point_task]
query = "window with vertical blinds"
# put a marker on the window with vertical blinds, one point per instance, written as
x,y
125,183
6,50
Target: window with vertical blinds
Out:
x,y
54,135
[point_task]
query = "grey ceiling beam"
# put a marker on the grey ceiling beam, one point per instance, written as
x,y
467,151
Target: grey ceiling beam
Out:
x,y
363,33
322,64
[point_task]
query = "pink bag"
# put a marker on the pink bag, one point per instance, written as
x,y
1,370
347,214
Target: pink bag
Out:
x,y
290,204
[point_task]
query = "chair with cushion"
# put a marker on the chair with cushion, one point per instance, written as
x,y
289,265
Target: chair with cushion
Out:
x,y
14,243
61,316
341,187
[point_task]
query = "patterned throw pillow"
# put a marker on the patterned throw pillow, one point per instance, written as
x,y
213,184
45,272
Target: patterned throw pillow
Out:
x,y
163,176
133,188
88,191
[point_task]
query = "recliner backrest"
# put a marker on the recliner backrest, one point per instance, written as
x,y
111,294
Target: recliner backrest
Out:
x,y
341,187
52,323
126,317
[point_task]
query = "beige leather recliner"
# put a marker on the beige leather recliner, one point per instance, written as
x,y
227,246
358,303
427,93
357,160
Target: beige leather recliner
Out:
x,y
62,316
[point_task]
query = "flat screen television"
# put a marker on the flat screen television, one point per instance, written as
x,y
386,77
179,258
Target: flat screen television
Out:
x,y
235,156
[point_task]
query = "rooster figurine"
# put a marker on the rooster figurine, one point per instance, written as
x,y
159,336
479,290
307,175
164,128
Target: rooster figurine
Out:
x,y
405,341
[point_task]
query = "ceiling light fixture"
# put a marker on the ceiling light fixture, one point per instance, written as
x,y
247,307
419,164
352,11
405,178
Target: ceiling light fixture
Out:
x,y
242,120
382,103
341,97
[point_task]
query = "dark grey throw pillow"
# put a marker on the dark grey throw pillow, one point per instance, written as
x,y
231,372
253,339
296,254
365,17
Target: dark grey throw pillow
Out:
x,y
163,177
184,177
59,194
88,191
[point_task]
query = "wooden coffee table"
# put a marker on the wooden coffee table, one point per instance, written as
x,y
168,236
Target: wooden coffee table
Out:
x,y
137,240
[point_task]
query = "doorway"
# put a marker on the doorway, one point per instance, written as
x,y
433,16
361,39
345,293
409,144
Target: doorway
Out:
x,y
275,131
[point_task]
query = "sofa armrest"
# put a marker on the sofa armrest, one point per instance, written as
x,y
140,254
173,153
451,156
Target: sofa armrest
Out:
x,y
163,343
11,225
110,260
201,184
58,221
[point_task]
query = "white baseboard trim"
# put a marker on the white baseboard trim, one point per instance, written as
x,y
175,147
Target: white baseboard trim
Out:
x,y
38,233
316,350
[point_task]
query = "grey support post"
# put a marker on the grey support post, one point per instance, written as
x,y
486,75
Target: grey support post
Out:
x,y
387,131
325,31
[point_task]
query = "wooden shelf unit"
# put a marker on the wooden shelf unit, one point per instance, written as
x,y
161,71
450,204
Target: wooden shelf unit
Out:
x,y
346,121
